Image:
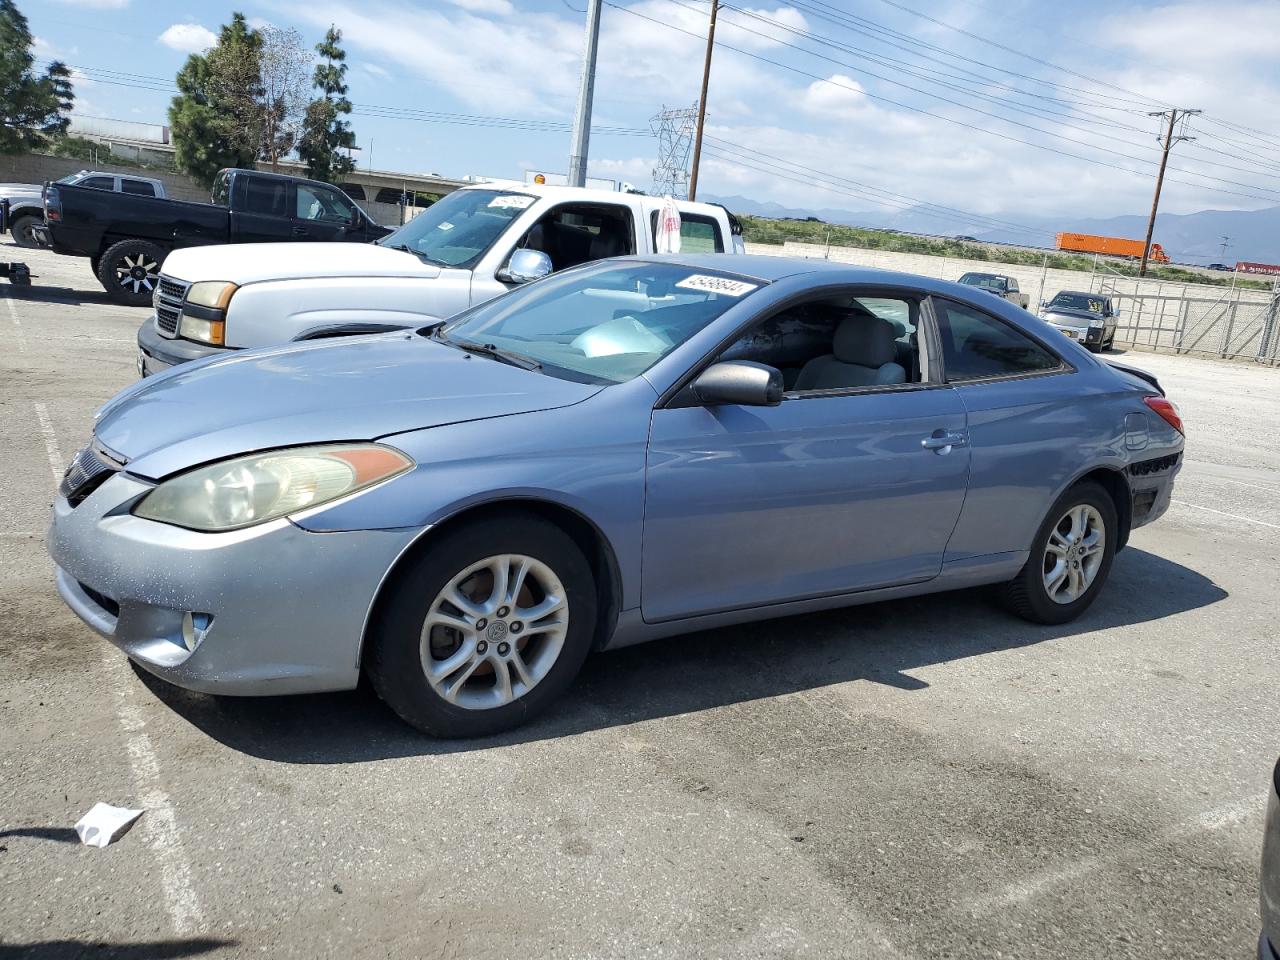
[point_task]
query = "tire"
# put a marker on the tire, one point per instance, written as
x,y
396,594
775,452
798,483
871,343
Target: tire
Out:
x,y
93,263
129,271
1028,594
21,229
464,563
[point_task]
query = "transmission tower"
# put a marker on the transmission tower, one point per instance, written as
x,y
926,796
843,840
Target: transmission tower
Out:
x,y
674,129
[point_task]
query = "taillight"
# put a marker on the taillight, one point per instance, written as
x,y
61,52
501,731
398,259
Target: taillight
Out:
x,y
52,205
1167,410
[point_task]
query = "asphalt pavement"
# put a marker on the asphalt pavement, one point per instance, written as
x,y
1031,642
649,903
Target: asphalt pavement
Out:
x,y
927,778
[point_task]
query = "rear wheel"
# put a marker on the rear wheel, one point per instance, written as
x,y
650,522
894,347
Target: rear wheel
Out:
x,y
23,230
129,271
1070,558
484,629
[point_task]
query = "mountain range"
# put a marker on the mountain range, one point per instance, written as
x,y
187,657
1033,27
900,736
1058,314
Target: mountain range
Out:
x,y
1186,238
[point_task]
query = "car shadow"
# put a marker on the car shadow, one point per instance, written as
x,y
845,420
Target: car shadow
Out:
x,y
69,296
879,642
60,834
78,949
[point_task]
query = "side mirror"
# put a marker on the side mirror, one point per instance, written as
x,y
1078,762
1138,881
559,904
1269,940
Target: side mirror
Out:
x,y
525,266
1044,303
743,382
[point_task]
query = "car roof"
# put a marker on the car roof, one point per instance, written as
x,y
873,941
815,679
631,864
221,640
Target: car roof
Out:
x,y
592,195
770,269
1081,293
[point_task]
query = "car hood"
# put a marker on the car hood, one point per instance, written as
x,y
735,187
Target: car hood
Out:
x,y
20,191
243,263
358,388
1067,314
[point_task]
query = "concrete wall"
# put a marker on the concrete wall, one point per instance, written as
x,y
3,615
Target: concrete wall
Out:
x,y
37,168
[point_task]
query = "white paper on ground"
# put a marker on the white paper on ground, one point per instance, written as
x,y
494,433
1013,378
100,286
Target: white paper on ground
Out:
x,y
105,823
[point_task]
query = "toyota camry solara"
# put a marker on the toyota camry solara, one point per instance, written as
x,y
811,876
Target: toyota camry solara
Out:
x,y
627,450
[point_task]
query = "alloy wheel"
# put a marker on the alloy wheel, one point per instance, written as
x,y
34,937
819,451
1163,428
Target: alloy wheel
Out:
x,y
138,272
1074,553
494,631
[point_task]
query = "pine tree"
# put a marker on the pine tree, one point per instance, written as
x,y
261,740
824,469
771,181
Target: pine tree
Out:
x,y
216,119
326,136
32,107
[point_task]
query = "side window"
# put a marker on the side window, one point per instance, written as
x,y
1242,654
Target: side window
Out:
x,y
320,203
580,233
98,183
221,194
976,346
837,343
140,187
264,195
698,234
1013,286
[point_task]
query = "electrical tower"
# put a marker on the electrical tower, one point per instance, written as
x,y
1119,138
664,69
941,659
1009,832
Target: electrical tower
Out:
x,y
674,129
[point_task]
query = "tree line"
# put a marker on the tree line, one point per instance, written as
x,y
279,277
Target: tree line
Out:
x,y
255,95
246,100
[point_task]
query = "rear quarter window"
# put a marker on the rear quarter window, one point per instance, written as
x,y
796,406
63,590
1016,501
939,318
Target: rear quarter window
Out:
x,y
978,346
698,234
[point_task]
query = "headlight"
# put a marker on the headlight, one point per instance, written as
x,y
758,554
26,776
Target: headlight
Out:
x,y
206,331
264,486
1096,322
215,294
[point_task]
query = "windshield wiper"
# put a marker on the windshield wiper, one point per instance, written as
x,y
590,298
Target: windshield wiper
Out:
x,y
405,248
497,353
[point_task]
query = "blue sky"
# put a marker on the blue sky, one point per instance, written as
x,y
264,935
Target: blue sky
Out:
x,y
821,107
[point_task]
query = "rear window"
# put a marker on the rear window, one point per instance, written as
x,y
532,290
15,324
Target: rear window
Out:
x,y
140,187
976,346
98,183
265,196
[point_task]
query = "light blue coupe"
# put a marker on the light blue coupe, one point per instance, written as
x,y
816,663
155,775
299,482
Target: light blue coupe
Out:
x,y
627,450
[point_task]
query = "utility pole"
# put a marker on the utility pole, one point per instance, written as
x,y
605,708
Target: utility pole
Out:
x,y
582,118
702,102
1166,143
1222,253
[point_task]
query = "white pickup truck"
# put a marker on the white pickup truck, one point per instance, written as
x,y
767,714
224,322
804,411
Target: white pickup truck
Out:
x,y
474,244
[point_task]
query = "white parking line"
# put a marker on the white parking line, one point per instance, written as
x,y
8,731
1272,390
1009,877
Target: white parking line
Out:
x,y
1223,513
159,826
17,324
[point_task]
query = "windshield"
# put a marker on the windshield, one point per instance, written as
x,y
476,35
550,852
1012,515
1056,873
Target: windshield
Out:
x,y
69,178
1076,301
985,280
456,230
605,322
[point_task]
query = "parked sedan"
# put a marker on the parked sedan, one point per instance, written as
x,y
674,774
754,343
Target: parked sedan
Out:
x,y
626,450
1089,318
1269,940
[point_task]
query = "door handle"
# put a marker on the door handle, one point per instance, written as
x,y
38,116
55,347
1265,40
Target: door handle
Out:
x,y
941,441
301,232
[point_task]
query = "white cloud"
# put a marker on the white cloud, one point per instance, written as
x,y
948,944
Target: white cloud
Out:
x,y
188,37
380,72
501,8
259,23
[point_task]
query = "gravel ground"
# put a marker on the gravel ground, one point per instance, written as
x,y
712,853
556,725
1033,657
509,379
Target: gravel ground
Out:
x,y
927,778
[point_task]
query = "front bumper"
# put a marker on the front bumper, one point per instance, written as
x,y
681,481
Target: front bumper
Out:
x,y
1091,336
270,609
1270,883
157,352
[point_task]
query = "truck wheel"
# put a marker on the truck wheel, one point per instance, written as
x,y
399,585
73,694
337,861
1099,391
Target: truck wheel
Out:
x,y
129,271
23,230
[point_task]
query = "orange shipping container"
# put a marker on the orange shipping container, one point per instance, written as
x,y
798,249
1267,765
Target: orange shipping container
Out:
x,y
1110,246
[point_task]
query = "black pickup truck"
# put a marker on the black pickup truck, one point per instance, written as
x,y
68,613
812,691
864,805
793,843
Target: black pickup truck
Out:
x,y
126,237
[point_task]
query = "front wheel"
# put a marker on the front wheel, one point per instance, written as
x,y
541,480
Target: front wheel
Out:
x,y
484,629
1070,558
130,270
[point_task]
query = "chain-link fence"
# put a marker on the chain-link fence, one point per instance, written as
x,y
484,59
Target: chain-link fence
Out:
x,y
1237,324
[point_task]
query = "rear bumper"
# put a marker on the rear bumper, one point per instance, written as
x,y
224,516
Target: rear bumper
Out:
x,y
1151,487
157,353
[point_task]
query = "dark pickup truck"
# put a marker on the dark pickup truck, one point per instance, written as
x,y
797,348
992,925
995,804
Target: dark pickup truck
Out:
x,y
126,237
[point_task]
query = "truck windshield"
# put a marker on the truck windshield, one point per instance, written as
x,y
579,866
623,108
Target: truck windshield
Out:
x,y
457,230
1076,301
600,323
986,281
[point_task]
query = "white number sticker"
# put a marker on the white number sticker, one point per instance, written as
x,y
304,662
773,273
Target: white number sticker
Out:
x,y
510,201
709,284
445,225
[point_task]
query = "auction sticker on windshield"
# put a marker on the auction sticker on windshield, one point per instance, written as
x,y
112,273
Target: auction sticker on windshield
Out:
x,y
509,200
709,284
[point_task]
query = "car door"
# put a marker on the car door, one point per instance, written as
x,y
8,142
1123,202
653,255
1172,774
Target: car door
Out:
x,y
260,208
1028,426
321,213
831,491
